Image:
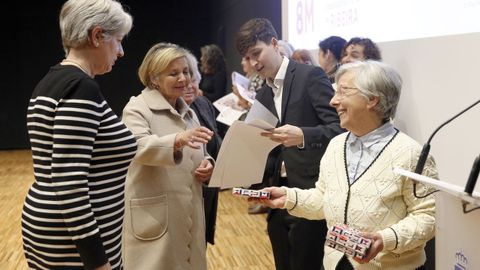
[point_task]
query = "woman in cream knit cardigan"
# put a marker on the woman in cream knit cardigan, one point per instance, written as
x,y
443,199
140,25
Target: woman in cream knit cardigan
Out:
x,y
357,185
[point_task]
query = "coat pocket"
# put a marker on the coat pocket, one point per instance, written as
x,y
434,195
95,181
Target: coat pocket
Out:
x,y
149,217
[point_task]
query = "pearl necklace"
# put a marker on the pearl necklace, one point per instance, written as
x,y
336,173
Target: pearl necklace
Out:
x,y
77,64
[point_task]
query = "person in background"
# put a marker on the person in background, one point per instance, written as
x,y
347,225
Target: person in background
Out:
x,y
329,55
205,112
360,49
73,214
303,56
213,84
299,96
286,49
357,185
214,72
164,223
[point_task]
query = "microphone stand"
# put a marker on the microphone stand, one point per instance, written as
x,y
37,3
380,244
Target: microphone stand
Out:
x,y
472,180
426,149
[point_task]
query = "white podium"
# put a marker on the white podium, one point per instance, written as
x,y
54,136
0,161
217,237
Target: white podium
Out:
x,y
457,235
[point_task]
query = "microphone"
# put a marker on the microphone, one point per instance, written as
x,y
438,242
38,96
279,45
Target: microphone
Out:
x,y
426,149
472,178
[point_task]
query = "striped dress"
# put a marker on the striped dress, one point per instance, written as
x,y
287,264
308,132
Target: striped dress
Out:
x,y
73,213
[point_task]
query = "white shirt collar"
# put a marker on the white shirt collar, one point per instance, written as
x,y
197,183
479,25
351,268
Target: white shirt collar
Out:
x,y
280,76
381,133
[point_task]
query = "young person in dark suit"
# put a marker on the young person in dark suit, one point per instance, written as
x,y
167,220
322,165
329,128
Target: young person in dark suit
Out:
x,y
299,96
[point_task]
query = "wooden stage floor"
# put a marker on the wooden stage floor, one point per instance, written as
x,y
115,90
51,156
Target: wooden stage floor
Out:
x,y
241,240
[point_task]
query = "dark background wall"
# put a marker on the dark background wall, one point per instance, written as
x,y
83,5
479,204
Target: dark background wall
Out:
x,y
33,44
229,15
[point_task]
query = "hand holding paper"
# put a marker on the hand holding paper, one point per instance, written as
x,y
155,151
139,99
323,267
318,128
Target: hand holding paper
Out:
x,y
242,84
287,135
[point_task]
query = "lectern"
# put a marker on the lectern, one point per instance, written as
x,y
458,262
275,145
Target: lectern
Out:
x,y
457,236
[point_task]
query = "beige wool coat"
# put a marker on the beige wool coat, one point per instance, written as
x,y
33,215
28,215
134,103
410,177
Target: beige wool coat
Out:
x,y
164,225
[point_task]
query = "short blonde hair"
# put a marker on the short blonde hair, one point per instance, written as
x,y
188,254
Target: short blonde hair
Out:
x,y
79,17
157,60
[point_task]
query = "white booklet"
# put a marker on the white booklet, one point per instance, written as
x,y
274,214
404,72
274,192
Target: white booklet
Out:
x,y
261,117
228,108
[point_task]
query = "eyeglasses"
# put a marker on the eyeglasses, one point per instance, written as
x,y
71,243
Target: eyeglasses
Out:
x,y
345,91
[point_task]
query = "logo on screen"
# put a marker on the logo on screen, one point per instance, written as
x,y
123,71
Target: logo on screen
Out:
x,y
461,261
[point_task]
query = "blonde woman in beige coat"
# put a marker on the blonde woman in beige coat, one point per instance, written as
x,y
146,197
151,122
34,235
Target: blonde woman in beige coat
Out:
x,y
164,222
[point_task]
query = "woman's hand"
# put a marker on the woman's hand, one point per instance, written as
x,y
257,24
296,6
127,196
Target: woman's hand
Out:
x,y
106,266
193,136
204,171
278,196
375,248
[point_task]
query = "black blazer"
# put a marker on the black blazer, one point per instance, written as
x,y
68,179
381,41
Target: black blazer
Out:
x,y
205,112
306,95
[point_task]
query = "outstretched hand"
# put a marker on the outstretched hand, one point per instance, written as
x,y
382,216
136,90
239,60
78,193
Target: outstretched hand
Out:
x,y
277,199
191,137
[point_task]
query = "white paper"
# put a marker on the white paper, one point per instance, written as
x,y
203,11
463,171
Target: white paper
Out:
x,y
242,157
260,116
228,108
242,83
228,116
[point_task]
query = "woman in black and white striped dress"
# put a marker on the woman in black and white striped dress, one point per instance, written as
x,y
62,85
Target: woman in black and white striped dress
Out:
x,y
73,213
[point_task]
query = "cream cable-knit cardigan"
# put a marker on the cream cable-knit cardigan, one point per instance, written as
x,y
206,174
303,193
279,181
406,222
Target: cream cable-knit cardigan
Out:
x,y
379,201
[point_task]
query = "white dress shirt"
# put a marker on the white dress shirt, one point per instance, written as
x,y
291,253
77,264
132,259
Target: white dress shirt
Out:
x,y
277,87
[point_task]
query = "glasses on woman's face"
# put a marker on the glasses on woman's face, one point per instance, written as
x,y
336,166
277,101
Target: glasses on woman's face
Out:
x,y
343,91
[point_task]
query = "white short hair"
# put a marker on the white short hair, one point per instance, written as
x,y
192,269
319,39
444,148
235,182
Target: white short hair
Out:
x,y
374,78
79,17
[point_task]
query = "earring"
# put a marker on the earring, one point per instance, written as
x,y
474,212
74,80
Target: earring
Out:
x,y
96,44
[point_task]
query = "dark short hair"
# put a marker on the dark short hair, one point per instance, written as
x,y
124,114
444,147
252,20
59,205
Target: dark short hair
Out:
x,y
371,50
257,29
334,44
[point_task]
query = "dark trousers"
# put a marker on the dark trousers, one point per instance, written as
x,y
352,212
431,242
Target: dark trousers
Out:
x,y
297,243
210,203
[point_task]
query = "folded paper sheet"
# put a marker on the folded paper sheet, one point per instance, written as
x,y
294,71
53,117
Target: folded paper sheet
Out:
x,y
243,154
